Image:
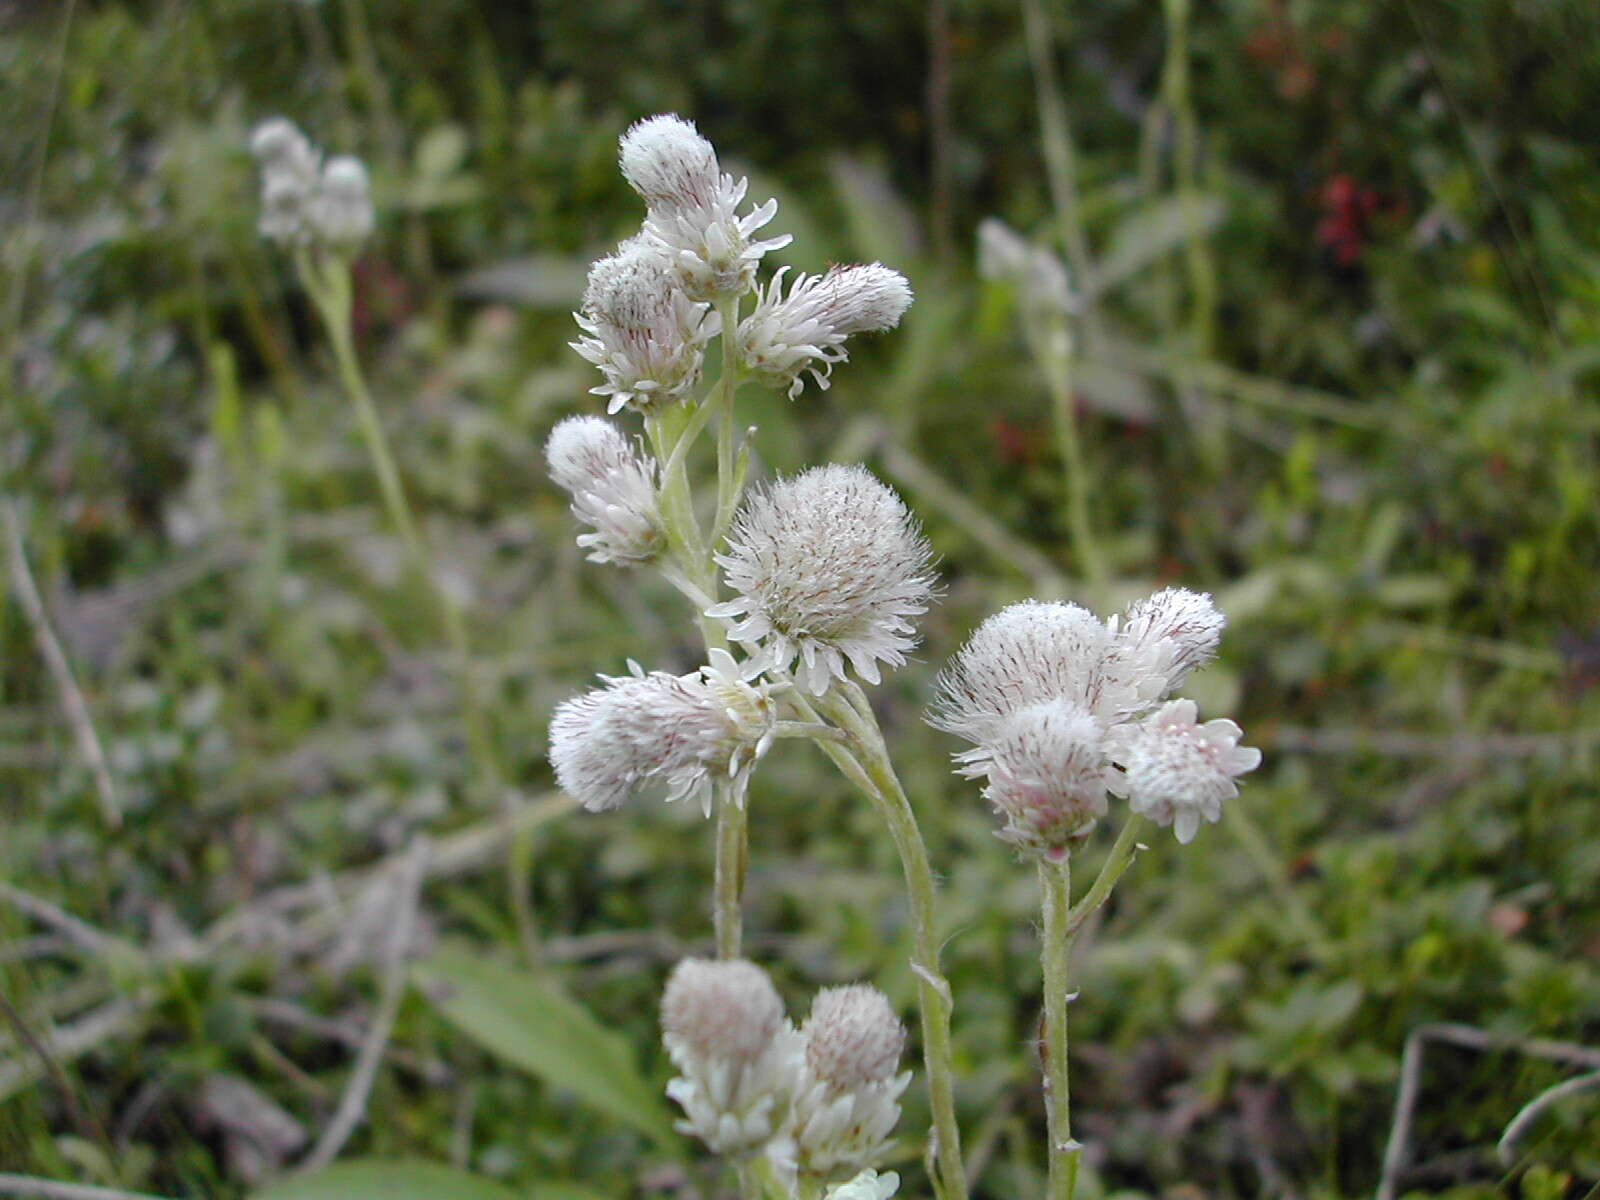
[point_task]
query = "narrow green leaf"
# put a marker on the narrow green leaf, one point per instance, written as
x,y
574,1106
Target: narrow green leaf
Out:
x,y
528,1023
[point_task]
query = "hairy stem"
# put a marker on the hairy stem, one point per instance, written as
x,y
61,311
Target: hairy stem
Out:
x,y
1055,883
732,857
868,766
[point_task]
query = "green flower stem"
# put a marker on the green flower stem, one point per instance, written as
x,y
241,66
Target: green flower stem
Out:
x,y
733,854
867,765
1062,922
1055,882
1123,851
729,477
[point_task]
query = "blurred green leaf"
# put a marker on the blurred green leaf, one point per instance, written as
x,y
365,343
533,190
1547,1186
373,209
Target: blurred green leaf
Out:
x,y
525,1021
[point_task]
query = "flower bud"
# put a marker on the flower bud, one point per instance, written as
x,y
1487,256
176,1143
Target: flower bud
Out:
x,y
828,567
738,1057
678,733
788,336
613,490
847,1106
693,209
643,332
1047,769
1166,637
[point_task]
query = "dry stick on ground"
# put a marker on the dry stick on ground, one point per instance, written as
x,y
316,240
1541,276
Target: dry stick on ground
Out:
x,y
73,704
1398,1152
44,1189
353,1104
77,931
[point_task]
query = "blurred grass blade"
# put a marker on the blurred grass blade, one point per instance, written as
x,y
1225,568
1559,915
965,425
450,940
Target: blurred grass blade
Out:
x,y
526,1022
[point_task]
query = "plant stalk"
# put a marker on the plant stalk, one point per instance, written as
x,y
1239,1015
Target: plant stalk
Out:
x,y
868,766
1055,883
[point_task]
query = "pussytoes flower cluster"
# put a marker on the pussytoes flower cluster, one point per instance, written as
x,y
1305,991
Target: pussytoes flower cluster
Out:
x,y
820,1100
643,332
848,1099
736,1053
305,200
613,490
828,568
678,734
1057,705
788,336
693,208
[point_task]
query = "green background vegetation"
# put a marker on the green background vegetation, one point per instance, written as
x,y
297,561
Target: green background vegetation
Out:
x,y
1360,409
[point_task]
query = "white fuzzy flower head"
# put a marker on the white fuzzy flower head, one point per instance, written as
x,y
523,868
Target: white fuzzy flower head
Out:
x,y
679,734
869,1185
1178,772
852,1037
644,334
1163,639
1047,774
613,490
828,567
1023,655
849,1098
738,1057
303,200
788,336
341,208
693,208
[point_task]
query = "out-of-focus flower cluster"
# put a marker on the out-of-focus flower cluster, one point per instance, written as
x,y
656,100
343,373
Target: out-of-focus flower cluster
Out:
x,y
306,200
1064,710
821,1101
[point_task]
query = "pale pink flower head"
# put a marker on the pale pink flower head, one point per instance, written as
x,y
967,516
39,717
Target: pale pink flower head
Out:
x,y
849,1099
1178,772
1047,772
1158,642
853,1037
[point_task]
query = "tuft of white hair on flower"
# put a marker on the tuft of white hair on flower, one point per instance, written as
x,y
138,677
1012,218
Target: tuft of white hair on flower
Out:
x,y
1178,772
848,1101
869,1185
788,336
1158,642
693,208
1047,774
1023,655
340,211
613,490
1039,275
646,336
828,568
680,734
738,1057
